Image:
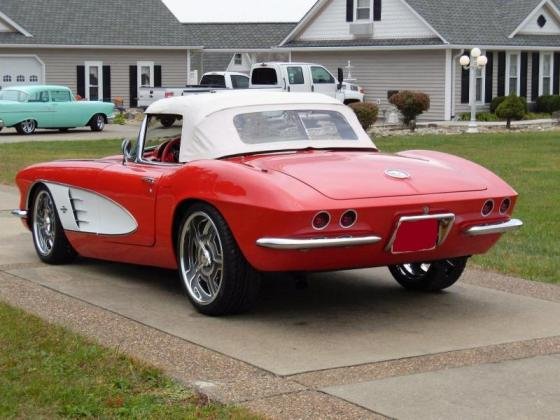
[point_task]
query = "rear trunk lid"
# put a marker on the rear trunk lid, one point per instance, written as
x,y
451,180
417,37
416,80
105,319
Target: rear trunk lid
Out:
x,y
355,175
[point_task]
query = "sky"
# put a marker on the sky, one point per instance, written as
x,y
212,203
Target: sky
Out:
x,y
190,11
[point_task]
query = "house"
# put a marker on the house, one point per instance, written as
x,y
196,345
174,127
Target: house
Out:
x,y
104,49
416,44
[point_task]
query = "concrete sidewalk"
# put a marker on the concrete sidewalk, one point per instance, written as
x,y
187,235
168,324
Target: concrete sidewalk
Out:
x,y
351,345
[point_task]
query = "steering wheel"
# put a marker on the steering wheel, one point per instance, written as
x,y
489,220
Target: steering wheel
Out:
x,y
170,153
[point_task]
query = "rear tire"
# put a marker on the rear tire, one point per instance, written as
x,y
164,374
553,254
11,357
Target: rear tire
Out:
x,y
97,123
49,238
216,276
26,127
429,277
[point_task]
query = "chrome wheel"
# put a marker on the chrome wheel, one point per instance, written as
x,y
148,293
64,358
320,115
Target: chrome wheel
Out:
x,y
201,258
44,223
28,126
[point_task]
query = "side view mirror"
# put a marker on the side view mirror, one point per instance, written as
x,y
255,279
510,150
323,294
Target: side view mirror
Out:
x,y
340,77
126,148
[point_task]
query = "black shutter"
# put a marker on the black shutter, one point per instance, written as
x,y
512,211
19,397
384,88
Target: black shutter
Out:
x,y
489,85
556,74
535,76
465,83
81,80
157,76
524,70
133,86
349,10
377,9
107,84
502,73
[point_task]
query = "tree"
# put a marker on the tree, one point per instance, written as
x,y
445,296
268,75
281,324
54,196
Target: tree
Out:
x,y
410,104
512,108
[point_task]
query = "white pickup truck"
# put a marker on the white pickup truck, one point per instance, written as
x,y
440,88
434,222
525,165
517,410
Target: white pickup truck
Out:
x,y
301,77
210,81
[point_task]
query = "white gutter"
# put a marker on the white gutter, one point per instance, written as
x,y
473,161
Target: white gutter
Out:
x,y
103,47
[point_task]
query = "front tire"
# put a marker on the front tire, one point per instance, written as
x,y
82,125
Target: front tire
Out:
x,y
49,238
26,127
97,123
429,277
216,276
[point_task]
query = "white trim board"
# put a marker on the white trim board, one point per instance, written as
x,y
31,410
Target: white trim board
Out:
x,y
14,25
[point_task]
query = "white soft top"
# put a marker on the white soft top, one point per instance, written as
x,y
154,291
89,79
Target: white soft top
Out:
x,y
208,122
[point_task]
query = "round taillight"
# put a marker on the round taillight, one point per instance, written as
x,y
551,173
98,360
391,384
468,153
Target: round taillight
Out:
x,y
487,208
348,219
321,220
504,207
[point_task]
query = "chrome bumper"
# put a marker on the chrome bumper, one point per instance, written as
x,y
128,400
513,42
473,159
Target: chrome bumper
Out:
x,y
302,244
495,228
22,214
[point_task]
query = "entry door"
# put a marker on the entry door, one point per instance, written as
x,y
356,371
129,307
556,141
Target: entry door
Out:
x,y
323,81
297,80
94,81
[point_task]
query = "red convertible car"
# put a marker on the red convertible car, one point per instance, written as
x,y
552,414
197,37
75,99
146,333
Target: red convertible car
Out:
x,y
250,182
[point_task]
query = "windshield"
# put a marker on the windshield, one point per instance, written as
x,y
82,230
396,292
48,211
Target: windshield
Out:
x,y
13,95
283,126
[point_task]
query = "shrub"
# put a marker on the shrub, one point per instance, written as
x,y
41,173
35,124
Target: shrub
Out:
x,y
480,116
537,116
119,119
513,107
366,112
497,101
548,103
410,104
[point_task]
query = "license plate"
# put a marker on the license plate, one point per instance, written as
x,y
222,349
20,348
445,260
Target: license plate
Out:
x,y
416,236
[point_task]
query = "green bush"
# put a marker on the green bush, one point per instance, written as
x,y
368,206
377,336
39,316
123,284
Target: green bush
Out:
x,y
497,101
537,116
548,103
119,119
366,112
480,116
410,104
512,108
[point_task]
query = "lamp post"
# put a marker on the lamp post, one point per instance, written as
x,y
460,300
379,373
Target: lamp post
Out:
x,y
475,62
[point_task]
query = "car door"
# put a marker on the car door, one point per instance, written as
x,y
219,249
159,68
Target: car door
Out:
x,y
296,80
65,112
39,107
323,81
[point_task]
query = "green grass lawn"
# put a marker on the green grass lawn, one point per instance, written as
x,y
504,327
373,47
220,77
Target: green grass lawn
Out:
x,y
16,156
48,372
530,163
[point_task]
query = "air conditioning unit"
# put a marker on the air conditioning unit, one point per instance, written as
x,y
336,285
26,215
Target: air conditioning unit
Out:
x,y
361,29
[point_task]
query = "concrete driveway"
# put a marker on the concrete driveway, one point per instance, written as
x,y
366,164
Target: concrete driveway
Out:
x,y
112,131
351,345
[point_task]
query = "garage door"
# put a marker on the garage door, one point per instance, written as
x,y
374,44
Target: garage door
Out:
x,y
16,71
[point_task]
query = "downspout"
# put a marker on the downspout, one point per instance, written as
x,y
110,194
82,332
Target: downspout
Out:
x,y
453,81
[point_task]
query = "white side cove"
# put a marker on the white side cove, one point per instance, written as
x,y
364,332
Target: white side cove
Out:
x,y
87,212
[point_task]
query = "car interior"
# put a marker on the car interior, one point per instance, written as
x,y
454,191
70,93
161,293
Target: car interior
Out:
x,y
163,139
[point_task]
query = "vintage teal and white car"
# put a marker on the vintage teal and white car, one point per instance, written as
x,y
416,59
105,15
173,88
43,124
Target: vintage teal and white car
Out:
x,y
27,108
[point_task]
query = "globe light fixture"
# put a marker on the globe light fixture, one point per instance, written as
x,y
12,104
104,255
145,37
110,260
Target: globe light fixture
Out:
x,y
474,63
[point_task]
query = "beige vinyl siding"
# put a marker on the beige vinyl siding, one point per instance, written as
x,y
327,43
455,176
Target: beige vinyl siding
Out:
x,y
380,71
397,21
61,65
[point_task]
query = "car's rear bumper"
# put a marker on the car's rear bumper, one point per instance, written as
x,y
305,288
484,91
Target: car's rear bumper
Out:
x,y
302,244
22,214
494,228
